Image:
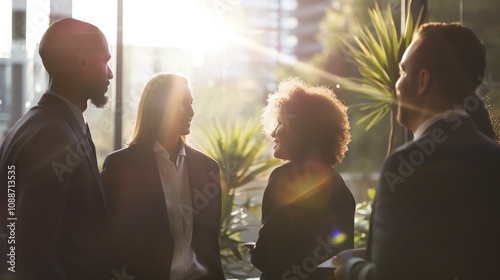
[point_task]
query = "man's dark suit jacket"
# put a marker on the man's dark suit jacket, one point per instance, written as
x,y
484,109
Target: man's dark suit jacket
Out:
x,y
437,210
60,208
306,204
140,229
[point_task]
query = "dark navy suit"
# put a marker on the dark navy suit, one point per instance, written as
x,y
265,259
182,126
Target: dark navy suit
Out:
x,y
60,208
140,229
437,208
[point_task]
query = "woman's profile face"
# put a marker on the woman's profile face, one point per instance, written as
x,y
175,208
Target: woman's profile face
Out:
x,y
282,141
186,113
179,113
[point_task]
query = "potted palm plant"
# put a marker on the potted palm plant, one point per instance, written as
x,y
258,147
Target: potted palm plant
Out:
x,y
376,51
238,147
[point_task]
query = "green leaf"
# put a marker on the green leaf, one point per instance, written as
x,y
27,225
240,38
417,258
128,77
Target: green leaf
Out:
x,y
371,193
370,115
238,146
376,52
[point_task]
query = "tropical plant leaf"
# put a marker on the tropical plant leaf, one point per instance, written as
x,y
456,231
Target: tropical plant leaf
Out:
x,y
370,115
362,221
238,147
371,193
377,50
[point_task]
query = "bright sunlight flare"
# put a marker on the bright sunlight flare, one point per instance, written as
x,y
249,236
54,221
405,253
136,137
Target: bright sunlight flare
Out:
x,y
162,23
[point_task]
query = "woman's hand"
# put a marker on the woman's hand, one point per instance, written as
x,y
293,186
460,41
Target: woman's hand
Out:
x,y
340,260
346,255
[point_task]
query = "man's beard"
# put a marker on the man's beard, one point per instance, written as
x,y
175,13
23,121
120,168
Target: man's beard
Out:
x,y
99,101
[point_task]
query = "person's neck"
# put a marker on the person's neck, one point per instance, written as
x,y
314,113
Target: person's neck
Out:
x,y
427,113
171,144
310,155
69,93
418,120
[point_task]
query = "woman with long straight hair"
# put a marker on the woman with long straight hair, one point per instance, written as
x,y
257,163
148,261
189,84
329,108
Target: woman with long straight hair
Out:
x,y
163,196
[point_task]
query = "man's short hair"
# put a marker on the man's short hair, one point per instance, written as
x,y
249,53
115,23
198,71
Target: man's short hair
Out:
x,y
454,56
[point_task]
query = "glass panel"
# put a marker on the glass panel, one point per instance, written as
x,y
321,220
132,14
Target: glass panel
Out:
x,y
101,121
5,28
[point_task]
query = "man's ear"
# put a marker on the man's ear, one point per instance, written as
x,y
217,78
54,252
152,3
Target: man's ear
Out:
x,y
424,81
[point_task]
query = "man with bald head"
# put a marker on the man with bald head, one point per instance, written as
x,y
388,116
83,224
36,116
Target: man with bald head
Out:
x,y
53,214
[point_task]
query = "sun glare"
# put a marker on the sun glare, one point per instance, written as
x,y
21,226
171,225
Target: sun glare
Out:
x,y
160,23
5,31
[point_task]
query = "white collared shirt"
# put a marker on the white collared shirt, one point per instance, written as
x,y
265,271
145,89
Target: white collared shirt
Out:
x,y
175,183
80,118
433,119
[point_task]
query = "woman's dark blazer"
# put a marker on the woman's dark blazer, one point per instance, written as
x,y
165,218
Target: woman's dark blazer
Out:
x,y
139,227
305,206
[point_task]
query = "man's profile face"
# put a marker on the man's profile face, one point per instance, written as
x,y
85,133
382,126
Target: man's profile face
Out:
x,y
76,53
407,85
97,72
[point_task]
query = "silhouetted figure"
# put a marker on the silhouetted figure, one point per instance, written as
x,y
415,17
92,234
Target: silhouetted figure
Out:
x,y
307,210
164,197
438,194
48,163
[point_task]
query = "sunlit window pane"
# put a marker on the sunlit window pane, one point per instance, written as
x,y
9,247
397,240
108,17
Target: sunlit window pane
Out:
x,y
5,28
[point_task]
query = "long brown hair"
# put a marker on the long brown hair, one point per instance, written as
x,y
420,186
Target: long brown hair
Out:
x,y
160,90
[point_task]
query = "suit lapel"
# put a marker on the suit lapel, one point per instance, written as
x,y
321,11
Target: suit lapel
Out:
x,y
196,179
199,175
152,172
193,167
146,162
55,103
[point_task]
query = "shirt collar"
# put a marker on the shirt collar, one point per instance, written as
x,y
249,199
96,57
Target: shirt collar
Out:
x,y
157,147
182,150
74,109
435,118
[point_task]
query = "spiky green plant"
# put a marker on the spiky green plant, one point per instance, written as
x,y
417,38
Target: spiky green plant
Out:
x,y
377,50
362,220
238,148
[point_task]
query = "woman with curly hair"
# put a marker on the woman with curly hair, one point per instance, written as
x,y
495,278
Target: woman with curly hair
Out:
x,y
307,209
